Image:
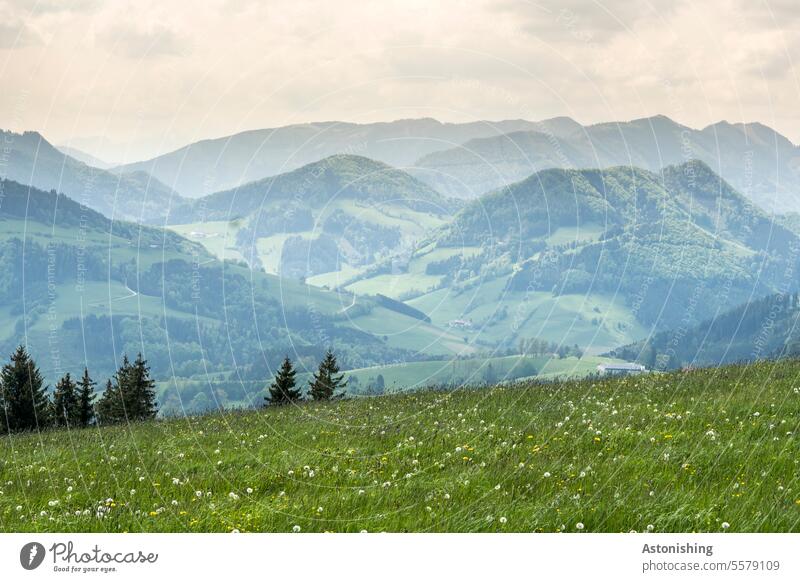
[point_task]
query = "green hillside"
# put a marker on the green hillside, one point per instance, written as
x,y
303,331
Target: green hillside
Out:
x,y
703,451
767,327
325,222
594,257
77,287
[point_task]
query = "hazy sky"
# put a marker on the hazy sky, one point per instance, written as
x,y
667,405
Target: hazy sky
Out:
x,y
149,76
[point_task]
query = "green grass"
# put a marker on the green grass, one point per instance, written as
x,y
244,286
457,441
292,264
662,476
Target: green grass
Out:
x,y
414,375
218,237
676,452
595,322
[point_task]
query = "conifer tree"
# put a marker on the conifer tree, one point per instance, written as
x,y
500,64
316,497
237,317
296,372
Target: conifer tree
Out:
x,y
140,397
327,379
86,398
282,390
110,408
131,396
23,396
65,403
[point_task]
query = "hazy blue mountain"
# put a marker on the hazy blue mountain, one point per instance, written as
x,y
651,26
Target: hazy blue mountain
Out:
x,y
211,165
762,164
32,160
85,157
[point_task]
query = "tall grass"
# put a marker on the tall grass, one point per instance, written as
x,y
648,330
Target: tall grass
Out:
x,y
707,450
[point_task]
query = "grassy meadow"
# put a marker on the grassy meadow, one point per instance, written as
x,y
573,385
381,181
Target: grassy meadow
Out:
x,y
706,450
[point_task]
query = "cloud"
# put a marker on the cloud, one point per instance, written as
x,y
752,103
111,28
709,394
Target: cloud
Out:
x,y
583,20
17,34
131,42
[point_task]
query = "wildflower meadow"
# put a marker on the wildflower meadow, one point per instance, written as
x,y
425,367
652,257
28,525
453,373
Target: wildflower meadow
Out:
x,y
697,451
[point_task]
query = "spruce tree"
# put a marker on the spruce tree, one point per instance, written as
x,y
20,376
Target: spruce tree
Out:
x,y
86,398
109,407
140,399
65,403
327,379
24,397
282,390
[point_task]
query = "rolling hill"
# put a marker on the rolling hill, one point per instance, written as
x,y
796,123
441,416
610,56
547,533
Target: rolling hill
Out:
x,y
134,196
762,164
77,287
592,257
330,218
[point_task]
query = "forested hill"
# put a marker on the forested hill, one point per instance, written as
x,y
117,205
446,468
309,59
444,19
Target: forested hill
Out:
x,y
765,328
668,245
317,185
31,205
76,287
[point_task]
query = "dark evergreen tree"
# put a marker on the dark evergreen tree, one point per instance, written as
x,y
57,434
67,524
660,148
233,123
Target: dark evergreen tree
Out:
x,y
65,403
110,408
282,390
139,391
132,394
23,396
86,398
327,379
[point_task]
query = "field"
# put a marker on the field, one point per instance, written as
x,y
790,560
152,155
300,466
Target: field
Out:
x,y
707,450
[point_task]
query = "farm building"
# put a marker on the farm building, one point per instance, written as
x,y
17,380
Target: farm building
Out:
x,y
620,369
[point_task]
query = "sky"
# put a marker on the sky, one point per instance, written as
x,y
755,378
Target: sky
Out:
x,y
127,80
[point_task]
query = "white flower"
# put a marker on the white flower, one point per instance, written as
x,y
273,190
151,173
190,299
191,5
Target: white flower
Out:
x,y
19,508
650,527
319,509
579,525
234,531
296,528
547,474
133,491
176,481
198,493
363,531
249,490
233,496
725,525
361,492
503,520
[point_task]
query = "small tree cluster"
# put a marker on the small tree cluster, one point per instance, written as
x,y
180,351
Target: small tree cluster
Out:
x,y
25,403
130,395
325,385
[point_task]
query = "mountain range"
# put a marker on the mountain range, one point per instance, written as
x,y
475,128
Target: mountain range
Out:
x,y
762,164
465,160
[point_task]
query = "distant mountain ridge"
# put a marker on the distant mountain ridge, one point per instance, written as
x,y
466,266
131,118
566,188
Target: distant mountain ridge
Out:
x,y
465,160
135,196
759,162
211,165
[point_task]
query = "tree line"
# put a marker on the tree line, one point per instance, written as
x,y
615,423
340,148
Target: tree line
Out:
x,y
26,404
129,396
